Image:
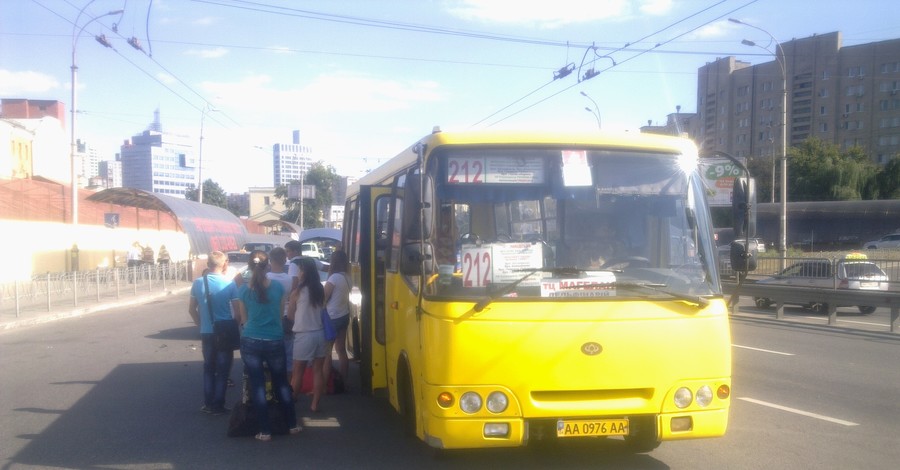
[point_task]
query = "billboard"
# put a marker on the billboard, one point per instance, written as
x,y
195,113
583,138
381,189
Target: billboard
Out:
x,y
718,178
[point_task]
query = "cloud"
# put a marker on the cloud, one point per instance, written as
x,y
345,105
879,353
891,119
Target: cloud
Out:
x,y
205,21
325,94
656,7
25,83
166,78
548,15
713,30
215,53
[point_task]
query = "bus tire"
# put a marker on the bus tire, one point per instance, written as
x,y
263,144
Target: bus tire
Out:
x,y
643,436
406,399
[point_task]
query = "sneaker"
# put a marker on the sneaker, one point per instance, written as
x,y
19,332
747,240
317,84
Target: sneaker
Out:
x,y
219,411
206,409
263,437
295,430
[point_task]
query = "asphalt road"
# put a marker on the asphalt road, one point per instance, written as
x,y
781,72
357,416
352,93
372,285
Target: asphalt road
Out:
x,y
122,389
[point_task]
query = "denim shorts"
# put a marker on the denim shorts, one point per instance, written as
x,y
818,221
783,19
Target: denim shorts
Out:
x,y
309,345
341,323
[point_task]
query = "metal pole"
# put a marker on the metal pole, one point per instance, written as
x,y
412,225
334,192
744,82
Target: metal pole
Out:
x,y
783,64
73,147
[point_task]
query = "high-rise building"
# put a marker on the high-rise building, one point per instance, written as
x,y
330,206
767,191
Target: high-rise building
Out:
x,y
290,161
110,172
159,163
849,96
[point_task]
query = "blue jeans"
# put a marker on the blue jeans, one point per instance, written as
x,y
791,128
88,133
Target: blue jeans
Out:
x,y
216,369
255,353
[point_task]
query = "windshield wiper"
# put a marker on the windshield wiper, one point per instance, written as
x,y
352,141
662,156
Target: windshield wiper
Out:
x,y
481,304
694,299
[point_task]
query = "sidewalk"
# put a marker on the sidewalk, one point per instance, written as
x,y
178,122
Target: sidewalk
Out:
x,y
37,313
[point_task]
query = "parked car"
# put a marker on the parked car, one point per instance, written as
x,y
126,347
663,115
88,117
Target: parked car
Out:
x,y
891,240
852,272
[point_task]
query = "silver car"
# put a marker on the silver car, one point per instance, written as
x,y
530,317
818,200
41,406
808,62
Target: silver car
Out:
x,y
853,272
891,240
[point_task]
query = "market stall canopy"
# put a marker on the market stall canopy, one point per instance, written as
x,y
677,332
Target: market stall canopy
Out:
x,y
208,227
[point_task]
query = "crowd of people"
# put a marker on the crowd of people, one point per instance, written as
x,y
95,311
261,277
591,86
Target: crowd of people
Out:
x,y
281,310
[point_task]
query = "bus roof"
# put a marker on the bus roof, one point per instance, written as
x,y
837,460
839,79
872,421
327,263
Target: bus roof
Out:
x,y
407,158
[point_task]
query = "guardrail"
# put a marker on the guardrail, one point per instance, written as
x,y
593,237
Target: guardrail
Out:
x,y
808,295
50,290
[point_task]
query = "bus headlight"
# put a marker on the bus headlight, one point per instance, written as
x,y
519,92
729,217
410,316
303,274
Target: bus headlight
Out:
x,y
497,402
470,402
704,396
683,397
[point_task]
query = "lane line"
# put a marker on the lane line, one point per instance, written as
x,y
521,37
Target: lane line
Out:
x,y
799,412
763,350
848,321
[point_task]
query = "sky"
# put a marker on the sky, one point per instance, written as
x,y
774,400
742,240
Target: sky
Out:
x,y
361,80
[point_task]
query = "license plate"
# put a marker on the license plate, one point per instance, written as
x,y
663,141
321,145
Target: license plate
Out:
x,y
864,285
591,427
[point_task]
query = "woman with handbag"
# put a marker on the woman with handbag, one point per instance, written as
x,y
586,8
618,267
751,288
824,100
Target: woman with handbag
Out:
x,y
337,301
214,298
310,347
262,343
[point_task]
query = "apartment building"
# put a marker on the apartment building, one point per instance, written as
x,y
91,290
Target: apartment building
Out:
x,y
848,96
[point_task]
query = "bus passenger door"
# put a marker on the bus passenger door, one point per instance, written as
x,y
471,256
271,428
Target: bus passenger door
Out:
x,y
374,205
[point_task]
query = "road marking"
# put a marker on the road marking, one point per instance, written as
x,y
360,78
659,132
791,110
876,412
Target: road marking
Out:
x,y
800,412
763,350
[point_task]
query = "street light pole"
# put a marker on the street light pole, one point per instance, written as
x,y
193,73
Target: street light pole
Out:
x,y
595,111
206,109
76,32
783,64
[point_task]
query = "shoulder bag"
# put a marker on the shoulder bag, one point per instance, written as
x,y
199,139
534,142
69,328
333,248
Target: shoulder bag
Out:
x,y
226,335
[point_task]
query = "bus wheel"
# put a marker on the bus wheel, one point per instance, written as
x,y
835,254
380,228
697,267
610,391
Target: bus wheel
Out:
x,y
406,400
763,302
643,435
820,308
866,310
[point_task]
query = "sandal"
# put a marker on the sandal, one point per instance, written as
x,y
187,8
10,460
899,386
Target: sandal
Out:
x,y
263,437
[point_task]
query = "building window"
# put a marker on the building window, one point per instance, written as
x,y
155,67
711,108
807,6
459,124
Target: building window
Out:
x,y
823,127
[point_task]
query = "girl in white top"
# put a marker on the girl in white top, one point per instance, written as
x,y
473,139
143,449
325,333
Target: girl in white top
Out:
x,y
309,338
337,301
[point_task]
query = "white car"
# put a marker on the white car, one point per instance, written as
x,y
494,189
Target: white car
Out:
x,y
852,272
311,250
891,240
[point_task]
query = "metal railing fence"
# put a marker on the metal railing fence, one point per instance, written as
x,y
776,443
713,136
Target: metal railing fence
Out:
x,y
47,291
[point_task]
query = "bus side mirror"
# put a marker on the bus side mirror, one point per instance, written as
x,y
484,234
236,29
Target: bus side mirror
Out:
x,y
743,256
416,258
743,208
413,194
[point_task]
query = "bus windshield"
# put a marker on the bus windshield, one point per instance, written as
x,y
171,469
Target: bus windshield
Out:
x,y
570,222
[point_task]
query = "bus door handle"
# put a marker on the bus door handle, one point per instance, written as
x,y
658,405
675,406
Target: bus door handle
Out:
x,y
395,305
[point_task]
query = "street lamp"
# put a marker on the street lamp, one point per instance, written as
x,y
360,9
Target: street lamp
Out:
x,y
595,111
782,63
76,32
206,109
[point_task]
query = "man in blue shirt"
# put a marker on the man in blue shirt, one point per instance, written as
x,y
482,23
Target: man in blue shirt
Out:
x,y
224,296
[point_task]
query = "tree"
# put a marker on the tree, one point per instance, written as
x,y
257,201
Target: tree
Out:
x,y
213,194
820,171
324,179
888,179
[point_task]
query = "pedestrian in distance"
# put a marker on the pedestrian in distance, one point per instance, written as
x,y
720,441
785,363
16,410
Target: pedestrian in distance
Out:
x,y
224,301
262,344
310,347
293,250
337,301
278,272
